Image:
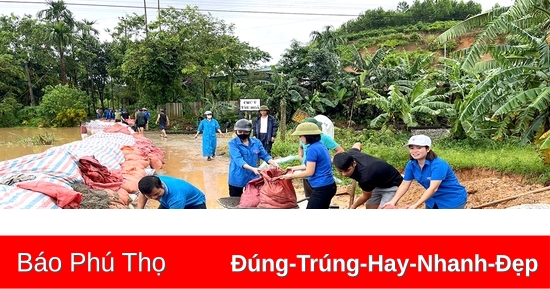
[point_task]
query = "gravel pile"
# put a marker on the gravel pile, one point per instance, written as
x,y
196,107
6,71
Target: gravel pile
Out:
x,y
432,133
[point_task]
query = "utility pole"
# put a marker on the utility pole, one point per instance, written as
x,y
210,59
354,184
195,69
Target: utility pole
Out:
x,y
158,15
145,8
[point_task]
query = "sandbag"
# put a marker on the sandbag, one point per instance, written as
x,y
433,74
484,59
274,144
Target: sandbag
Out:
x,y
276,193
155,162
251,195
66,198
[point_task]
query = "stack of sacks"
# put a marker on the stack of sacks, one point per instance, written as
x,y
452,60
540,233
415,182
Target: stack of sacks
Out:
x,y
118,128
138,158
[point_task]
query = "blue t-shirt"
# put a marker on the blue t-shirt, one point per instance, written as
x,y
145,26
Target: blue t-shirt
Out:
x,y
239,155
325,140
179,193
322,176
450,193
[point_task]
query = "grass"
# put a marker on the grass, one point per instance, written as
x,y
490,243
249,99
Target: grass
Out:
x,y
507,156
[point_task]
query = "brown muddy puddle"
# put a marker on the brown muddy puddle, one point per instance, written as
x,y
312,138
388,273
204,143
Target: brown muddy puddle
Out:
x,y
182,156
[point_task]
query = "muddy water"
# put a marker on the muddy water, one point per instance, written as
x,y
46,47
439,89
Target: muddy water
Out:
x,y
183,157
11,145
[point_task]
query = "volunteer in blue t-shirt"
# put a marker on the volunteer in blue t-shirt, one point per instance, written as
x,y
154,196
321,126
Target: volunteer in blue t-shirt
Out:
x,y
172,193
326,140
317,168
443,191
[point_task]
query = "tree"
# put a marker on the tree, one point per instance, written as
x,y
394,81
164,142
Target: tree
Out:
x,y
406,104
402,7
514,94
60,24
327,39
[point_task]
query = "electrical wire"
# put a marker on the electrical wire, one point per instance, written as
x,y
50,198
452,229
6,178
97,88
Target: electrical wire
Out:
x,y
202,10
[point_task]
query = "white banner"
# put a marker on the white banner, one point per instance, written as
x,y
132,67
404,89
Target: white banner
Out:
x,y
249,104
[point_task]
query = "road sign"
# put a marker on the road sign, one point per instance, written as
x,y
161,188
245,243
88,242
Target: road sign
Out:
x,y
247,104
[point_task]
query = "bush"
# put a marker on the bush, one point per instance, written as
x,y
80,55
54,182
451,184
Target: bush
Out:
x,y
63,100
8,109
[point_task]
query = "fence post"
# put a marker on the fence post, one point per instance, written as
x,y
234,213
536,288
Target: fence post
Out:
x,y
282,121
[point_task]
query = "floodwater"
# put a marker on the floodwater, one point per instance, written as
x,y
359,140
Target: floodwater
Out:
x,y
182,156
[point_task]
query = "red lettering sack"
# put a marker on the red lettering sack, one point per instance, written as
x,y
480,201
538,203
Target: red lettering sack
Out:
x,y
276,193
251,195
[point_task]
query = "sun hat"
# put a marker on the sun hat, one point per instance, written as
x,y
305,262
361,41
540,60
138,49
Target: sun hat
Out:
x,y
419,140
263,107
307,128
144,108
207,112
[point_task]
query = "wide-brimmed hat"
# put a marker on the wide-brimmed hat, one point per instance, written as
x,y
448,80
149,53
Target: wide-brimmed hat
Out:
x,y
264,107
419,140
144,108
307,128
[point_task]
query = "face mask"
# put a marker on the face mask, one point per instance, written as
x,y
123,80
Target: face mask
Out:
x,y
243,136
208,116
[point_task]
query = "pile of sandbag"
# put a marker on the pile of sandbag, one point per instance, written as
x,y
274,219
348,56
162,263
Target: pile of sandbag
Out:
x,y
99,172
137,158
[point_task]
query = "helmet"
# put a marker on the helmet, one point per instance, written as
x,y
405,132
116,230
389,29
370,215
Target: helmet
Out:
x,y
263,107
207,112
307,128
243,124
313,120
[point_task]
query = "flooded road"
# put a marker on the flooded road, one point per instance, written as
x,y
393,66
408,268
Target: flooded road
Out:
x,y
183,159
182,156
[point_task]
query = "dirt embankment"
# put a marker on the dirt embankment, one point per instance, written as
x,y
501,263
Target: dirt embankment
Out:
x,y
483,186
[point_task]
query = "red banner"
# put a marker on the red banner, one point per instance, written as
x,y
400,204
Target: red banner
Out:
x,y
275,261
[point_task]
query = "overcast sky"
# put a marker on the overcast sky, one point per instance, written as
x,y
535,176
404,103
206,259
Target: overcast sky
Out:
x,y
261,23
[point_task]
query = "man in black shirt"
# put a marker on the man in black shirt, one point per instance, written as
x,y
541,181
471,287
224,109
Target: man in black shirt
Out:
x,y
378,179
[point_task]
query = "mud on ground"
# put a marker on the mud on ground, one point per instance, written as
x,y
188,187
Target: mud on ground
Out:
x,y
483,186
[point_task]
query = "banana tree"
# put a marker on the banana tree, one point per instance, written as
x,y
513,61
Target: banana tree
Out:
x,y
406,103
513,96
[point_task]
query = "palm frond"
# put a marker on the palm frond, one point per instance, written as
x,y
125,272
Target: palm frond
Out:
x,y
380,120
469,24
542,101
536,124
516,102
485,66
544,53
377,59
520,8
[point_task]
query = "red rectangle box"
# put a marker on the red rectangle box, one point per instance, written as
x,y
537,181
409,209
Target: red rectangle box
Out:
x,y
275,261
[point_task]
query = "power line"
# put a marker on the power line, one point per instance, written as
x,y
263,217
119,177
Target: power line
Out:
x,y
202,10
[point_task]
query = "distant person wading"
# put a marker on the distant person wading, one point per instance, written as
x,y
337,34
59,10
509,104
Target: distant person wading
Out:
x,y
208,127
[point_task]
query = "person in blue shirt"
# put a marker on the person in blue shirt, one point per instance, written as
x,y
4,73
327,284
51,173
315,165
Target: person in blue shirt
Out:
x,y
147,117
443,191
172,193
209,127
244,153
318,167
326,140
